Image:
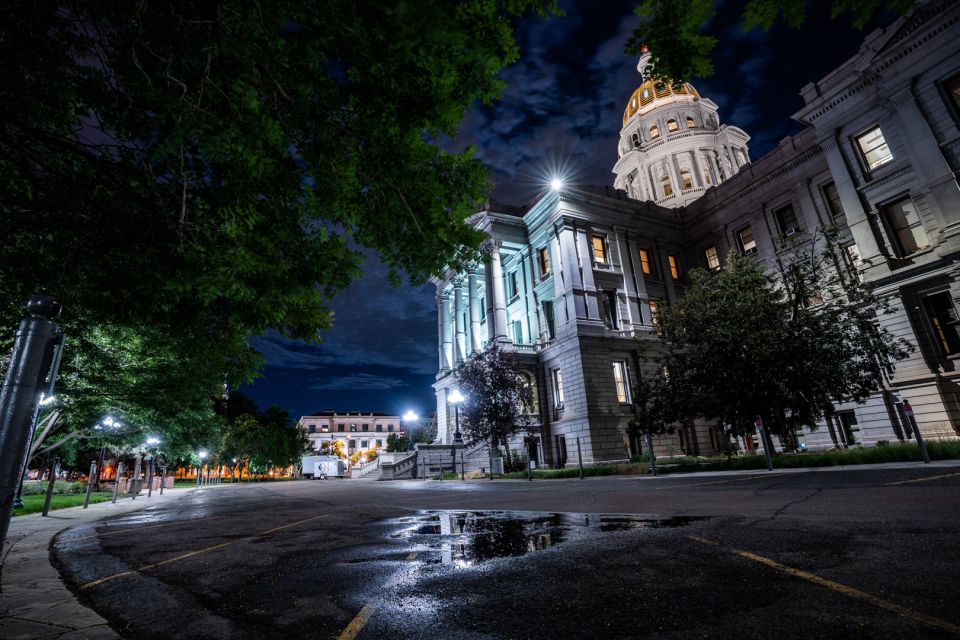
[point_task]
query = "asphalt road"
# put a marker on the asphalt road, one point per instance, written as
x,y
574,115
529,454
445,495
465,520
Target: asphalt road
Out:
x,y
867,553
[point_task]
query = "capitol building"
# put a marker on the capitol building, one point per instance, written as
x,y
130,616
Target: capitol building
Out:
x,y
574,280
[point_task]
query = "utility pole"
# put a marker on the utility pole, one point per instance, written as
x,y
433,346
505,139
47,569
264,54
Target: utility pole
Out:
x,y
31,373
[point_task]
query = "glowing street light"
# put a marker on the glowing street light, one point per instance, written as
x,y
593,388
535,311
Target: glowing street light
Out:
x,y
455,398
556,184
45,400
202,454
410,416
153,441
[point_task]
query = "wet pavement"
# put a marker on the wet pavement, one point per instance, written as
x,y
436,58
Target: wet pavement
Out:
x,y
864,553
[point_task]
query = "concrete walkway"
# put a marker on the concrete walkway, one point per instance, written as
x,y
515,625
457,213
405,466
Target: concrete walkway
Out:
x,y
34,602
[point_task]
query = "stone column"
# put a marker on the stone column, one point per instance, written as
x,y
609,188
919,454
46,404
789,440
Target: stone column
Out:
x,y
460,353
446,346
928,162
474,301
497,320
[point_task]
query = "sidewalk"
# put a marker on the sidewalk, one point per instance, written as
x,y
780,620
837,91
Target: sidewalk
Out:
x,y
34,602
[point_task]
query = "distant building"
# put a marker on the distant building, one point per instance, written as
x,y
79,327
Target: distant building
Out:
x,y
359,431
574,280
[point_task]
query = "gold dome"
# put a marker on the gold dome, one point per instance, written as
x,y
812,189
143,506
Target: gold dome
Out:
x,y
650,91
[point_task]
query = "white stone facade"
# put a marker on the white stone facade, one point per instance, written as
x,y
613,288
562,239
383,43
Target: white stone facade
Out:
x,y
572,280
359,431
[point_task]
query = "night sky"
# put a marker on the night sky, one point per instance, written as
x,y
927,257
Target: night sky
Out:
x,y
560,113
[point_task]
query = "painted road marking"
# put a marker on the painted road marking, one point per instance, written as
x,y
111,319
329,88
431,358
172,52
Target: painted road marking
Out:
x,y
944,475
697,484
356,625
153,526
839,588
196,552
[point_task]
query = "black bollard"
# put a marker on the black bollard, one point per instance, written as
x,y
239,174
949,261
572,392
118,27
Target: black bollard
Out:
x,y
163,477
31,372
116,481
86,495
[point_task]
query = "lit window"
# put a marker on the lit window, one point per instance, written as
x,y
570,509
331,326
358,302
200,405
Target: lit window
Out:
x,y
558,387
690,123
514,283
686,179
747,243
654,132
832,198
325,428
707,178
672,125
667,187
379,444
874,149
645,261
544,258
906,227
787,219
599,249
620,382
353,427
713,258
943,316
674,267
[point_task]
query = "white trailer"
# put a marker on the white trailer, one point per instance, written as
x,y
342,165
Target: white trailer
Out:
x,y
323,467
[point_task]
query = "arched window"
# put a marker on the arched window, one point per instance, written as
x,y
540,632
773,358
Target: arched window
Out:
x,y
686,180
690,123
654,132
672,125
667,187
636,140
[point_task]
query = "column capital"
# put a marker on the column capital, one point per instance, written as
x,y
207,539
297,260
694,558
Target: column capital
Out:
x,y
490,245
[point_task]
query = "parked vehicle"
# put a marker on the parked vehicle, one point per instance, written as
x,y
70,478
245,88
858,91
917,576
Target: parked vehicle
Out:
x,y
323,467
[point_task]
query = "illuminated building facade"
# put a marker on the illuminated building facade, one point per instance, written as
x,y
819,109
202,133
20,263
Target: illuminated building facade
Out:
x,y
357,430
574,280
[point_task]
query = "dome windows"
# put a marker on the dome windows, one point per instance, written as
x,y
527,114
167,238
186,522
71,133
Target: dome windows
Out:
x,y
654,132
686,179
672,125
636,139
690,123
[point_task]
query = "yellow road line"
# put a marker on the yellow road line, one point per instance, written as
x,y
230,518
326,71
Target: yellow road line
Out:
x,y
697,484
196,552
841,588
153,526
356,625
945,475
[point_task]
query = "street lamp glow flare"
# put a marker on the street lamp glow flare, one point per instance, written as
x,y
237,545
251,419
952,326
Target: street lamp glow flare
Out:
x,y
556,184
456,397
202,455
410,416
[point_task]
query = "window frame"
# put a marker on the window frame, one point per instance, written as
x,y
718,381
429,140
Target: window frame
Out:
x,y
603,249
743,248
863,154
646,265
689,178
893,233
674,262
828,201
556,377
665,184
691,123
543,261
621,387
676,125
935,323
785,230
953,106
654,132
716,257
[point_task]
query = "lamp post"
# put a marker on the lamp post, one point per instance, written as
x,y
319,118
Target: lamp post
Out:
x,y
203,456
408,418
108,423
152,441
455,398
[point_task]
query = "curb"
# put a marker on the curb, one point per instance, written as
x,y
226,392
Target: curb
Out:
x,y
34,601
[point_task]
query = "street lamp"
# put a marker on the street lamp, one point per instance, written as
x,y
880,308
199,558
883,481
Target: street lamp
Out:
x,y
203,456
152,441
455,398
556,184
409,417
110,424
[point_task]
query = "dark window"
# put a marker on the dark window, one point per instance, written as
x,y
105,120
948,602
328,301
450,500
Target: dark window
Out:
x,y
483,308
943,316
849,429
951,89
561,450
366,427
832,198
514,285
352,444
312,428
905,227
389,427
787,220
379,427
341,427
612,310
549,319
353,427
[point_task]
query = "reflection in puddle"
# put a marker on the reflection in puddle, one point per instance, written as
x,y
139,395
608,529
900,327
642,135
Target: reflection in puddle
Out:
x,y
465,538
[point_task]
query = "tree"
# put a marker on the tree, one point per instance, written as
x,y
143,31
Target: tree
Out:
x,y
653,411
183,175
742,344
498,395
396,443
675,31
267,438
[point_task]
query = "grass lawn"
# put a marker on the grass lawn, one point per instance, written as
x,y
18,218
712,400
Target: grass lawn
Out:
x,y
34,503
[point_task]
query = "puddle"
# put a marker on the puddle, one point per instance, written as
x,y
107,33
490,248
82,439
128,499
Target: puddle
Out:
x,y
466,538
